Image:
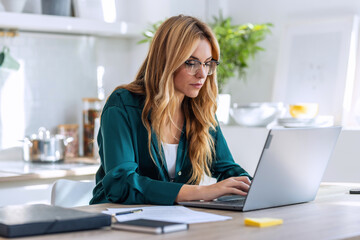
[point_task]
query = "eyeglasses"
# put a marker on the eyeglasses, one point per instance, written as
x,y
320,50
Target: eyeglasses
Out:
x,y
193,66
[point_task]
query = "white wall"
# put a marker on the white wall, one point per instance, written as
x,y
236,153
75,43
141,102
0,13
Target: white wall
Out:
x,y
57,71
261,73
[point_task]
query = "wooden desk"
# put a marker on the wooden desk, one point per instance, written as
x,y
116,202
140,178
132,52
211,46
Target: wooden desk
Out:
x,y
334,214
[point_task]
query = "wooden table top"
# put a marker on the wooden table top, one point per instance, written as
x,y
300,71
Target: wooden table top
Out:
x,y
335,214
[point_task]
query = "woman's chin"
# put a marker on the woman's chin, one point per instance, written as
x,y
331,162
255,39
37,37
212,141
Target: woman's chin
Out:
x,y
193,94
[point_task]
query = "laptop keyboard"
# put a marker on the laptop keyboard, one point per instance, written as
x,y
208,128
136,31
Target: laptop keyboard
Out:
x,y
230,200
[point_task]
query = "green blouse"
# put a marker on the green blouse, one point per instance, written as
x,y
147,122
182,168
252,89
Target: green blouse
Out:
x,y
127,173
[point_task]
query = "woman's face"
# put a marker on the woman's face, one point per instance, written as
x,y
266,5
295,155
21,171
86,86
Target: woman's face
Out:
x,y
190,85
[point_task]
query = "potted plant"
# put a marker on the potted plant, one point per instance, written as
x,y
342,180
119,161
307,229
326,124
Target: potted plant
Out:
x,y
238,43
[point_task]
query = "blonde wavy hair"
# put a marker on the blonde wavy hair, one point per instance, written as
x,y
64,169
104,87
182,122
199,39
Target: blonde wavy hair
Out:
x,y
173,43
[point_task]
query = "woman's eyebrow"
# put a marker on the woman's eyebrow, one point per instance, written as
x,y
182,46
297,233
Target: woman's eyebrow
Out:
x,y
209,58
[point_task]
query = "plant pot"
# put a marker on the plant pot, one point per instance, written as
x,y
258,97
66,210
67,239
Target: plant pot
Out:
x,y
223,108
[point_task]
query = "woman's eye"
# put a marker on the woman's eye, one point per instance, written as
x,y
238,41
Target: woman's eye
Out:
x,y
190,63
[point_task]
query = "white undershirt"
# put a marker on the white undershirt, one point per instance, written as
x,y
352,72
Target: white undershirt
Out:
x,y
170,151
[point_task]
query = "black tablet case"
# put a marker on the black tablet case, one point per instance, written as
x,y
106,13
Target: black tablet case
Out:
x,y
36,219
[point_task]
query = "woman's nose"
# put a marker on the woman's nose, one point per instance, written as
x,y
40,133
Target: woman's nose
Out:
x,y
202,72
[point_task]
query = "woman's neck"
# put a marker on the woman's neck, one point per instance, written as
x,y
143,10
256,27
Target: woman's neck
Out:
x,y
172,131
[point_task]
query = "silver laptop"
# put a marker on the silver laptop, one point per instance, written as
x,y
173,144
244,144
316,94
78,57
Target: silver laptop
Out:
x,y
289,171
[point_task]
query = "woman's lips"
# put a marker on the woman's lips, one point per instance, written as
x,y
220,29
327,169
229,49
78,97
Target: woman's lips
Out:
x,y
197,85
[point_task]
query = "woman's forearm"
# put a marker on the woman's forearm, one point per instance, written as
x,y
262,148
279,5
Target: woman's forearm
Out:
x,y
190,192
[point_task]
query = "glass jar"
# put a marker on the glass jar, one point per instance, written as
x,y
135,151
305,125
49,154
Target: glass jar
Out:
x,y
91,111
70,130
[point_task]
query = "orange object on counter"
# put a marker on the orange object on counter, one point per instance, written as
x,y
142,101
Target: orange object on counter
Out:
x,y
91,111
70,130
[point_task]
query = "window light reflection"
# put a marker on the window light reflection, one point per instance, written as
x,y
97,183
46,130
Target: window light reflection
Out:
x,y
109,10
123,28
12,107
350,203
349,86
100,74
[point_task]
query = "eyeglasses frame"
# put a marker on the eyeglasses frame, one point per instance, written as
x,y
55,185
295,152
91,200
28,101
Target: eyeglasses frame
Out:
x,y
202,64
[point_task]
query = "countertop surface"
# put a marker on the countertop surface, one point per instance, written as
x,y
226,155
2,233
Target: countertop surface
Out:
x,y
13,170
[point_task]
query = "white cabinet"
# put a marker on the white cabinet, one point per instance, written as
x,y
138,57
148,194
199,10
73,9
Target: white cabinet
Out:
x,y
245,144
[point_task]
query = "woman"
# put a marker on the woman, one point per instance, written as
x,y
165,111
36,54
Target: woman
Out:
x,y
158,134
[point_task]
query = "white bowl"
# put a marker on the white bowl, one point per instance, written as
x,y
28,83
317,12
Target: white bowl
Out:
x,y
13,5
256,114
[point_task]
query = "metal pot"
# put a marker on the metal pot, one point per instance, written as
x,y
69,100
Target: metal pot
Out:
x,y
51,149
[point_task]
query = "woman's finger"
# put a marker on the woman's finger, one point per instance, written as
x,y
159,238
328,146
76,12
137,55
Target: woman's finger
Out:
x,y
242,186
236,191
237,183
233,183
243,179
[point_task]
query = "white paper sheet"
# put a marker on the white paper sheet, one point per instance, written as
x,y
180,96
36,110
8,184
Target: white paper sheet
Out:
x,y
167,213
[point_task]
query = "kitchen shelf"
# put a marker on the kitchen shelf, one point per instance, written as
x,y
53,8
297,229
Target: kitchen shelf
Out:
x,y
67,25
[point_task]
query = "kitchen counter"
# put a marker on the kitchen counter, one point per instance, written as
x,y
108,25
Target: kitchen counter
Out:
x,y
22,182
18,170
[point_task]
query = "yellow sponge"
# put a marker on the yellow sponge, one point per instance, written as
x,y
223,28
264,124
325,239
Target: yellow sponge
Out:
x,y
262,222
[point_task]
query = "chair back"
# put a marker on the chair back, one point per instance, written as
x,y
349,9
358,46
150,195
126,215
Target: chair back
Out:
x,y
70,193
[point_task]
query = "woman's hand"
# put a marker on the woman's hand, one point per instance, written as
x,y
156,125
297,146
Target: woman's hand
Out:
x,y
233,185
